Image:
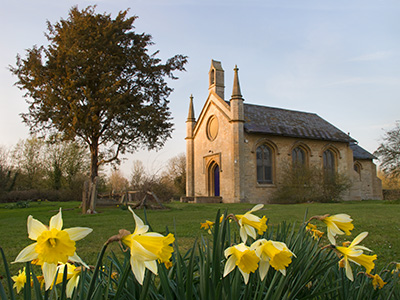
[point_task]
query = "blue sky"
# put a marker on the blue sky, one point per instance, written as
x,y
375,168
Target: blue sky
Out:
x,y
338,59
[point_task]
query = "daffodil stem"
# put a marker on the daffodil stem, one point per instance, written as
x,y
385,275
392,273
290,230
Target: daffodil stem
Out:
x,y
27,286
96,271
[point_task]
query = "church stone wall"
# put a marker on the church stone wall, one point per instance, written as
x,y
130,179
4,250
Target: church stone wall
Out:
x,y
371,185
218,150
263,193
363,186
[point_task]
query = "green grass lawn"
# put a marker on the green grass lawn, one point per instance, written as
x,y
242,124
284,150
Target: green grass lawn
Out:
x,y
379,218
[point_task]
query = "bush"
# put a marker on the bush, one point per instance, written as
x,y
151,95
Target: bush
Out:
x,y
304,184
49,195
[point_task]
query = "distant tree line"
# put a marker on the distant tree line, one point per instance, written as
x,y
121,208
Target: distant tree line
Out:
x,y
35,169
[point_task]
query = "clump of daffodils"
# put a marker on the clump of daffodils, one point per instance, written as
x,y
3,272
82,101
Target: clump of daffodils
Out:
x,y
261,254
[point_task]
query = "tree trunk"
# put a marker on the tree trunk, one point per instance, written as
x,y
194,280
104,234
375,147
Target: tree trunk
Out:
x,y
94,169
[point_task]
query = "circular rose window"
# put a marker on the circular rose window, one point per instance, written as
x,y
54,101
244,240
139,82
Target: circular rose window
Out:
x,y
212,128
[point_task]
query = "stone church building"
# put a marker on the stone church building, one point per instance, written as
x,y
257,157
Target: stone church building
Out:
x,y
236,151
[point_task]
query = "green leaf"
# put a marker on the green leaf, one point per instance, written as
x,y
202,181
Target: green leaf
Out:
x,y
8,276
96,271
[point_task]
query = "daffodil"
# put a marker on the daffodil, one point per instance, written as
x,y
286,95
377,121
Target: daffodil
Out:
x,y
243,257
249,223
207,225
316,234
271,253
73,275
377,281
147,248
354,253
397,269
336,224
19,280
53,245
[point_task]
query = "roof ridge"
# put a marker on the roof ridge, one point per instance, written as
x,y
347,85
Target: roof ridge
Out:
x,y
279,108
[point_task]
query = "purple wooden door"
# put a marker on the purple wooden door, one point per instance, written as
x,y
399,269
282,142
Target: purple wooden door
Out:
x,y
216,180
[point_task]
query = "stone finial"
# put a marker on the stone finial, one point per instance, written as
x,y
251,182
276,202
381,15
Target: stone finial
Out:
x,y
191,110
236,93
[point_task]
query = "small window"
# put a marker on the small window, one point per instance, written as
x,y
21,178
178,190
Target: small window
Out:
x,y
212,75
329,162
264,164
298,157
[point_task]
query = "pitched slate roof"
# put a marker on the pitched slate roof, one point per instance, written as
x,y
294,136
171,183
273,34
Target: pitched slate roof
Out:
x,y
283,122
360,153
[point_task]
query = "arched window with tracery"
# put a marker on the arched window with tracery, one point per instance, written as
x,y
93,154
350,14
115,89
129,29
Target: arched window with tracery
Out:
x,y
329,162
264,164
298,157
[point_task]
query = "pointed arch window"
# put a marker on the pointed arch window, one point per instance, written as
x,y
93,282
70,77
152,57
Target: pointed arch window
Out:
x,y
264,164
357,168
329,162
298,157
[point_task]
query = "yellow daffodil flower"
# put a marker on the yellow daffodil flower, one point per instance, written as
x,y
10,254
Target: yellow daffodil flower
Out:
x,y
207,225
397,269
114,275
53,245
73,275
377,281
316,234
354,253
249,223
271,253
168,264
19,280
146,248
243,257
336,225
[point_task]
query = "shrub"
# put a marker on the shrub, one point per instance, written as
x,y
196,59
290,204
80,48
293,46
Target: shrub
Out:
x,y
48,195
303,184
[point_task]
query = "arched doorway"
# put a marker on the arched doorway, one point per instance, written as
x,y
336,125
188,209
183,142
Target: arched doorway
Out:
x,y
214,179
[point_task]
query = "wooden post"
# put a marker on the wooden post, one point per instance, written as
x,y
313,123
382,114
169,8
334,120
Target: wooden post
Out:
x,y
85,197
93,196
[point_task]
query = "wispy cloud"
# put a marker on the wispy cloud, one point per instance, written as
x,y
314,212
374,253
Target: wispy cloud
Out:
x,y
379,55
